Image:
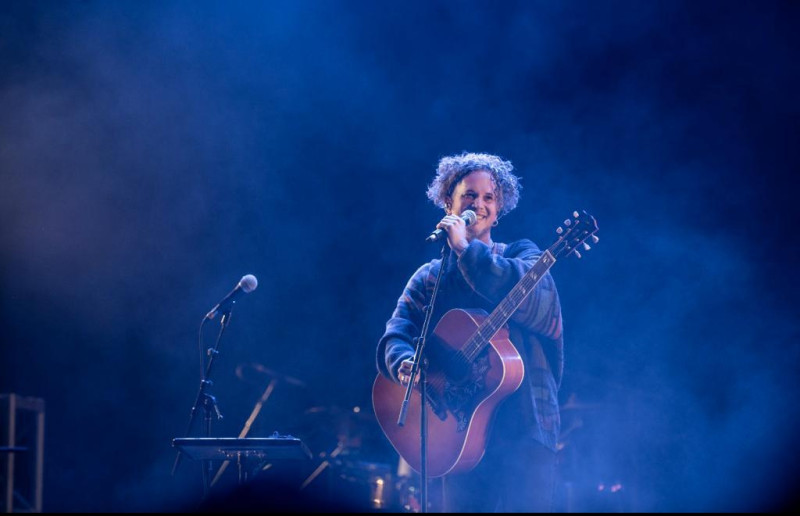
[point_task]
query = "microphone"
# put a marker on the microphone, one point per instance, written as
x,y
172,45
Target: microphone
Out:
x,y
468,216
247,284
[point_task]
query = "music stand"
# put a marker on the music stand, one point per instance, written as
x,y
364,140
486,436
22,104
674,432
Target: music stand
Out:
x,y
241,449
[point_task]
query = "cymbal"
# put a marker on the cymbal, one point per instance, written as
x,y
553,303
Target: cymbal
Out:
x,y
244,368
337,412
353,428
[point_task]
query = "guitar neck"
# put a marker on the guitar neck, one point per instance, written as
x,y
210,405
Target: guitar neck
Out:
x,y
503,312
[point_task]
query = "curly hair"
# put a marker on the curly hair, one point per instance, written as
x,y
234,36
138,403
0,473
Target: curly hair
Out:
x,y
452,169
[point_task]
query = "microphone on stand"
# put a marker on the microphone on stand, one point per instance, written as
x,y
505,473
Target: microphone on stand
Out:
x,y
247,284
468,217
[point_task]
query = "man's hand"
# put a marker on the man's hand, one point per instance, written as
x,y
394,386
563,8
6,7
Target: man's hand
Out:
x,y
404,372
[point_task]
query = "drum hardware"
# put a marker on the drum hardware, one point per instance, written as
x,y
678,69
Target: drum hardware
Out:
x,y
323,465
372,480
246,373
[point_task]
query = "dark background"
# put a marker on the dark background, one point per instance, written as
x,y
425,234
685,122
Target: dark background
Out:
x,y
152,153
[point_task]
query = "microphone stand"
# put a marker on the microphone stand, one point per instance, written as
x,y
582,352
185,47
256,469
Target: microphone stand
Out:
x,y
204,399
420,368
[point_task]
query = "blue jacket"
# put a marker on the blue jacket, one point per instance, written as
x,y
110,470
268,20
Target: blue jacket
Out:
x,y
481,278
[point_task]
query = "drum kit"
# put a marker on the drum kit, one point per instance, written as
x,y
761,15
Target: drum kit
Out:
x,y
353,463
361,466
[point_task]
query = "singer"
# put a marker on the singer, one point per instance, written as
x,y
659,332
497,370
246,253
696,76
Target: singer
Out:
x,y
517,471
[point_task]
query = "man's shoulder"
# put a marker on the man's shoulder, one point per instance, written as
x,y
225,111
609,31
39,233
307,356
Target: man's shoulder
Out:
x,y
522,246
425,270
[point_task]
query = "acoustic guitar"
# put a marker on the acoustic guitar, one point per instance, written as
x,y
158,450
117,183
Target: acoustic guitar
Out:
x,y
472,368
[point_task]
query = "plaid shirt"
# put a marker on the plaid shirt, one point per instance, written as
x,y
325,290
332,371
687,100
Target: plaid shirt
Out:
x,y
480,278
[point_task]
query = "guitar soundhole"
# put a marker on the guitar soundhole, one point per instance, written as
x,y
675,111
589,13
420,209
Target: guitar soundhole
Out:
x,y
448,362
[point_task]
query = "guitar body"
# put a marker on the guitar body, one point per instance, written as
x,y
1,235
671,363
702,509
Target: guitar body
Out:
x,y
464,396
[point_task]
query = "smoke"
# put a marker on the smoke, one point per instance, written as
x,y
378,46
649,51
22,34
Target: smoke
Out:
x,y
152,153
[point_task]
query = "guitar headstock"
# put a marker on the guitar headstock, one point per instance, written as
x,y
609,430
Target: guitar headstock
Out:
x,y
573,235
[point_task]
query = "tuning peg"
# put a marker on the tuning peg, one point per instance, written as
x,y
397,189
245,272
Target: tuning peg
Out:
x,y
559,230
595,239
576,214
567,222
577,253
586,246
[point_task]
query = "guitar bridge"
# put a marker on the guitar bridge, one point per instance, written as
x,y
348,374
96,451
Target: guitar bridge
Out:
x,y
437,406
